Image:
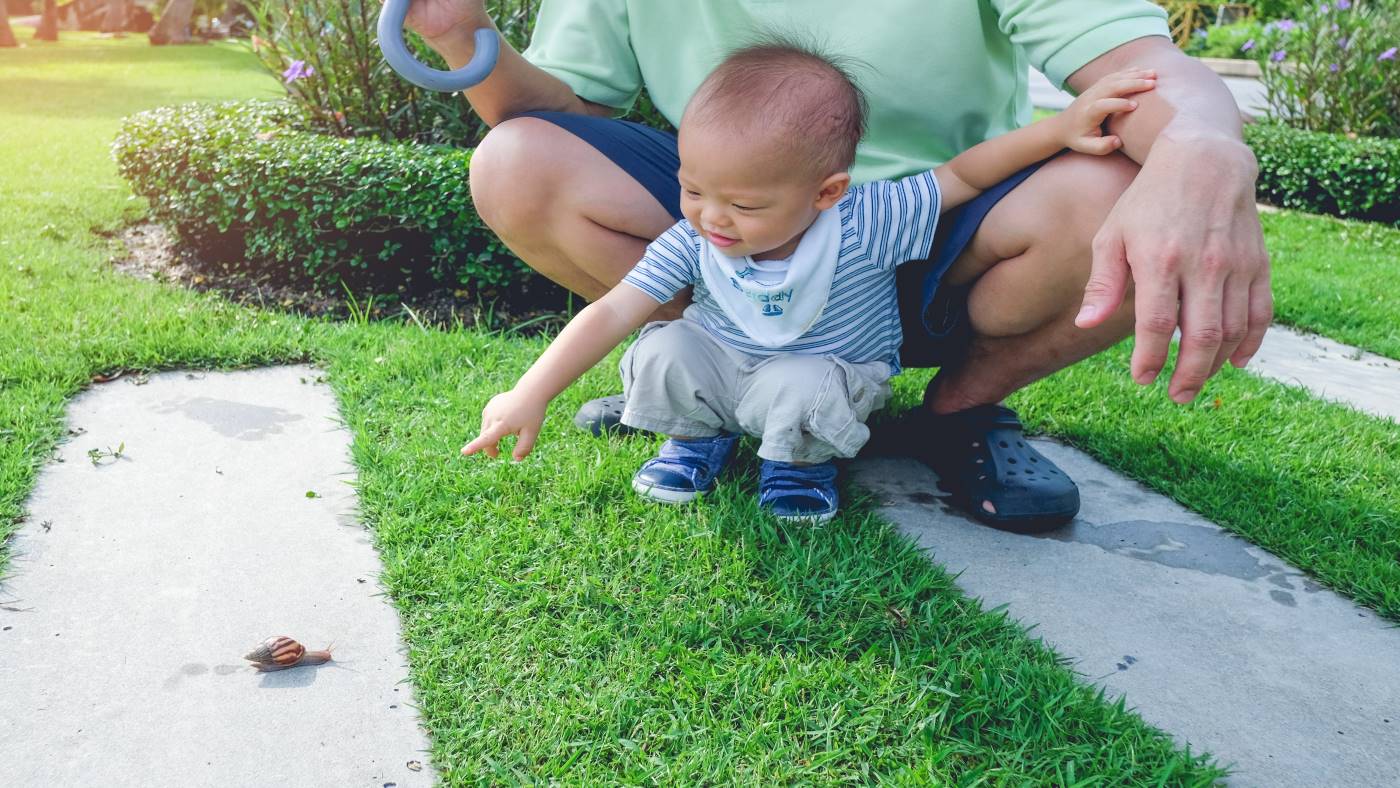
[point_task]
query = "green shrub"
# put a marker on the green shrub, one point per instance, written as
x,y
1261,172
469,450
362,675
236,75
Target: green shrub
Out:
x,y
248,182
1229,41
326,53
1335,68
1269,10
1327,173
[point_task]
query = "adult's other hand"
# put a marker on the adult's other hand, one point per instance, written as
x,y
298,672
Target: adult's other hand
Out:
x,y
1186,235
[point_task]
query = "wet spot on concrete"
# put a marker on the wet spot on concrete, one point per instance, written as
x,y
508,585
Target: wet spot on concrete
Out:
x,y
224,670
194,668
1281,580
1173,544
238,420
1283,598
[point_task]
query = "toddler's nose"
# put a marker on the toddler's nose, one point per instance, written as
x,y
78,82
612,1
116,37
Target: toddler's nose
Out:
x,y
714,218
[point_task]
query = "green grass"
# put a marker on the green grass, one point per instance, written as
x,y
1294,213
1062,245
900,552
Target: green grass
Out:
x,y
1337,278
557,627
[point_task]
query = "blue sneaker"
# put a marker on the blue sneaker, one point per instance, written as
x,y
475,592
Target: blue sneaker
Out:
x,y
684,468
798,492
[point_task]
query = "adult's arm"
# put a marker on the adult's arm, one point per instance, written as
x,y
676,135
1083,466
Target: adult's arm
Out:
x,y
1186,232
515,85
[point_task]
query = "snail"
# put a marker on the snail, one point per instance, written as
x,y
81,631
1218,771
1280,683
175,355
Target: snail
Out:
x,y
282,652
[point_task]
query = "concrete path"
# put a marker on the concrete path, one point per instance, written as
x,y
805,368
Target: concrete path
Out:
x,y
1248,93
1331,370
1214,640
137,584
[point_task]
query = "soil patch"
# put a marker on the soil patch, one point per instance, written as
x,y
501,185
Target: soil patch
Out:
x,y
153,252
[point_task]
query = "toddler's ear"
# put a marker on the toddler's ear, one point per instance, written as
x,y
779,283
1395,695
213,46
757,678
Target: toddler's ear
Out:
x,y
832,190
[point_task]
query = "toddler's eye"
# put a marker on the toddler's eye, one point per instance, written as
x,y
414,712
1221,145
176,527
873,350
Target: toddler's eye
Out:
x,y
691,193
744,207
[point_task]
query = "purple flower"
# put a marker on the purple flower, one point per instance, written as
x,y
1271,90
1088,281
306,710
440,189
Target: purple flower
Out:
x,y
1389,54
1248,45
297,70
1333,68
1323,8
1343,5
1285,25
1343,43
1278,56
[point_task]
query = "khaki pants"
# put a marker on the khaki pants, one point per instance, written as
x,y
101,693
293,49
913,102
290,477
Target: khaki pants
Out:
x,y
678,380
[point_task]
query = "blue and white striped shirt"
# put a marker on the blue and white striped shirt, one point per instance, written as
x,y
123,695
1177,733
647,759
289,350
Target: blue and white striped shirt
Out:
x,y
883,224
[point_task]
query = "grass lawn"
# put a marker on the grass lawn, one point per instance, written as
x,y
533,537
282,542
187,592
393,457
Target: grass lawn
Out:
x,y
559,628
1337,278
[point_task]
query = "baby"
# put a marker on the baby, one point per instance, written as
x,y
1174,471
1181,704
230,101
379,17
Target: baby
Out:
x,y
794,330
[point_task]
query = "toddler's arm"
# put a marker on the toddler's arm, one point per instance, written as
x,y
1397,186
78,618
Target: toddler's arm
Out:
x,y
1079,127
590,336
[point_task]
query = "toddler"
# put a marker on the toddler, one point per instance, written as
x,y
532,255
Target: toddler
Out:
x,y
794,331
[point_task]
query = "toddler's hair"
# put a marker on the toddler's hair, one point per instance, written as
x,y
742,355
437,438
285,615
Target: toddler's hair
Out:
x,y
789,89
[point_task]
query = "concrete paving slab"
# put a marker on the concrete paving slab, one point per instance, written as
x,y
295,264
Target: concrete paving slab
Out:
x,y
1211,639
137,585
1331,370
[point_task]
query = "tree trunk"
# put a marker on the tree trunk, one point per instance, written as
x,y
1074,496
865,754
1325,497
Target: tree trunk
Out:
x,y
174,24
115,21
48,23
7,36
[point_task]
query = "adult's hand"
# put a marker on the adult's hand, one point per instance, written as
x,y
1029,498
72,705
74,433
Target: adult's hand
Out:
x,y
515,86
1186,235
445,20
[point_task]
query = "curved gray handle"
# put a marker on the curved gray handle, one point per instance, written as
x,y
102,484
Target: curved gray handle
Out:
x,y
391,19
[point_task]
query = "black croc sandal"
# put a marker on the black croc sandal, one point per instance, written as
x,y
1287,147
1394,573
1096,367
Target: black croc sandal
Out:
x,y
981,456
603,415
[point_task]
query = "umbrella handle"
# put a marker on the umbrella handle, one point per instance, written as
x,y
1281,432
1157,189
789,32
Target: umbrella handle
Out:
x,y
396,52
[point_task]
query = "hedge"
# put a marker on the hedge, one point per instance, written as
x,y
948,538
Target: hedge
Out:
x,y
1327,173
242,181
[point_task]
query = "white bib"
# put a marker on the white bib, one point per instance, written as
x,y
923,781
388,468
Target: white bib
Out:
x,y
775,315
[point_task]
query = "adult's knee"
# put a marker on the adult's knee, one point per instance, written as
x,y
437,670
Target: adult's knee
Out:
x,y
1093,184
510,189
1053,229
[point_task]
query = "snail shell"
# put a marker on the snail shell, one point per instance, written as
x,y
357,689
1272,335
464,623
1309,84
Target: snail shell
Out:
x,y
278,653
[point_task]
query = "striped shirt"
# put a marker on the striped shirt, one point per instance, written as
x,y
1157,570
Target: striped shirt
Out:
x,y
883,224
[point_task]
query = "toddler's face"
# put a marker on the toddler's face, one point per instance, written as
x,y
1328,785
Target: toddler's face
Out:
x,y
745,197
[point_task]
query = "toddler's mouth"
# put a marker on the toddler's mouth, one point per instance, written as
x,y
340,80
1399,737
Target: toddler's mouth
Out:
x,y
721,240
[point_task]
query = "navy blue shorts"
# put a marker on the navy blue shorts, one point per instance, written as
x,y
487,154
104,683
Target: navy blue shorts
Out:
x,y
934,318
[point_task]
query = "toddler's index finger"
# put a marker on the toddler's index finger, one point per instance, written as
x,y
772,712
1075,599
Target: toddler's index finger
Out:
x,y
488,441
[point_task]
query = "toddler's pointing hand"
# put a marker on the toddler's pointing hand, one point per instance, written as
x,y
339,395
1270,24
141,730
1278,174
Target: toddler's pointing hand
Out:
x,y
508,413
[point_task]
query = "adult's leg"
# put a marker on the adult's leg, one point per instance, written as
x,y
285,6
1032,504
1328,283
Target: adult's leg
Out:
x,y
564,208
1028,264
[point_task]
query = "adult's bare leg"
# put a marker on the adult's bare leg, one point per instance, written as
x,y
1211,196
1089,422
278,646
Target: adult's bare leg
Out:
x,y
1030,261
564,208
1027,267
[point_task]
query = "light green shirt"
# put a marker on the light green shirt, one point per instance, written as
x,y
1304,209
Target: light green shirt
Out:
x,y
941,75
